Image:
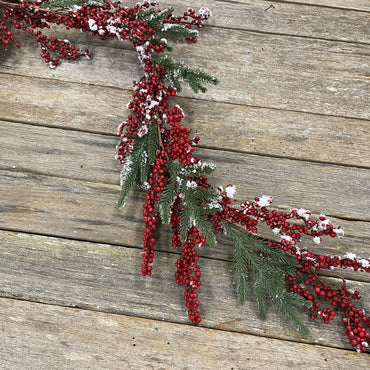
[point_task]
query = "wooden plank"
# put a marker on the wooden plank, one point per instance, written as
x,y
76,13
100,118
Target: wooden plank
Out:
x,y
344,4
272,71
87,211
285,18
107,278
288,19
249,130
293,183
54,337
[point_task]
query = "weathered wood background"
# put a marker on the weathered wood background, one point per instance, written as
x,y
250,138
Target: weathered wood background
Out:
x,y
290,118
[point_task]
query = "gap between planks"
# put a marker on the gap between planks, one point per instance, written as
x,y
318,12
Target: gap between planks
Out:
x,y
253,130
305,72
106,278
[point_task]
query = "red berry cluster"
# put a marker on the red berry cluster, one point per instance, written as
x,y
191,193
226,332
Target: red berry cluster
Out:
x,y
341,299
156,183
188,271
108,20
305,283
28,16
150,107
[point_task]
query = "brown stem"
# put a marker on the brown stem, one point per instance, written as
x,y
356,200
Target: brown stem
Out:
x,y
160,140
239,228
328,274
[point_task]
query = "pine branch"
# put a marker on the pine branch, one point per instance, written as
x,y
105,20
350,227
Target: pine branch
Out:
x,y
287,303
137,167
269,267
169,192
196,211
128,176
176,72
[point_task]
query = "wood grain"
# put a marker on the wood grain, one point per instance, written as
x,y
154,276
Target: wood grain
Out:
x,y
290,118
87,211
247,129
286,18
85,156
54,337
270,71
344,4
105,278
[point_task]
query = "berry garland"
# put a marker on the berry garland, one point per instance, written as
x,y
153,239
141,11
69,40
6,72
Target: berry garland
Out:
x,y
156,151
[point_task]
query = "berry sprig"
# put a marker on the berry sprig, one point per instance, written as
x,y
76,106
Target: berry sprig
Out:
x,y
157,154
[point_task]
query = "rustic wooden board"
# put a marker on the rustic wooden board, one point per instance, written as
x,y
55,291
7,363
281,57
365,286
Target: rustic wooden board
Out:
x,y
274,66
316,185
87,211
274,71
251,130
106,278
53,337
289,19
284,18
344,4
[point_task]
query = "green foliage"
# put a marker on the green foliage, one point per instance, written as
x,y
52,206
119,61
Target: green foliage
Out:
x,y
268,266
149,144
156,21
177,72
197,208
197,200
169,192
68,3
137,167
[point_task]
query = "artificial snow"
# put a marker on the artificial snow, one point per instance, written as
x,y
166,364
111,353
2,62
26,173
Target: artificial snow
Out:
x,y
142,130
286,237
317,240
125,169
364,263
191,184
264,201
230,191
92,24
350,256
339,232
304,213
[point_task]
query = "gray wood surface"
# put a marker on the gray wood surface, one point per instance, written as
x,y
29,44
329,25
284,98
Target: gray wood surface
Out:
x,y
294,19
85,156
87,211
344,4
107,278
33,331
290,118
254,130
264,70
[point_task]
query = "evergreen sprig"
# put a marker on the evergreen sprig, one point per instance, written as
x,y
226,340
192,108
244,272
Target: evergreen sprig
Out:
x,y
169,192
196,199
269,267
197,208
177,72
137,167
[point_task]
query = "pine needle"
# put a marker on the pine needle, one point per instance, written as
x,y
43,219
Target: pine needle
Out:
x,y
269,267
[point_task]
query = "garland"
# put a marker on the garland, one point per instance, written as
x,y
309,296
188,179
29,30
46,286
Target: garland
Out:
x,y
157,154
